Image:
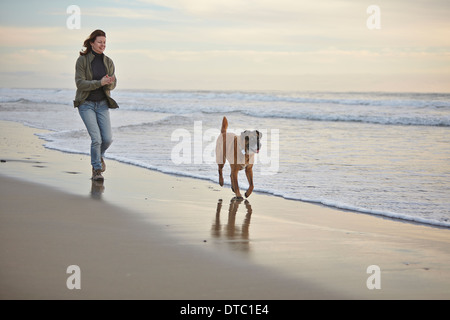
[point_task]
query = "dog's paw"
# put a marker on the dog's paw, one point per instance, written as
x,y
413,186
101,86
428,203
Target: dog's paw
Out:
x,y
221,182
247,194
237,199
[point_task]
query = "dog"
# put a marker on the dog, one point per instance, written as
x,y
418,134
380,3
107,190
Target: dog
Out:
x,y
240,153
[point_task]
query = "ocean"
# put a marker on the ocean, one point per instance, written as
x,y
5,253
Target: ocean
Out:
x,y
378,153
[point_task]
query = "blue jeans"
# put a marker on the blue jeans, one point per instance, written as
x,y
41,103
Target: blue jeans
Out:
x,y
95,115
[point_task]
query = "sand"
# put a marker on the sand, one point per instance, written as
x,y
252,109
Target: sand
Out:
x,y
143,234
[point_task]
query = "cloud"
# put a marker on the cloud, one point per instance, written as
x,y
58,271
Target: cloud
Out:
x,y
323,61
216,39
37,68
129,13
32,37
35,56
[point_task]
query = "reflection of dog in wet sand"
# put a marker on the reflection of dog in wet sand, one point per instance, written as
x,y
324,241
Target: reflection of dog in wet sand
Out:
x,y
229,230
240,153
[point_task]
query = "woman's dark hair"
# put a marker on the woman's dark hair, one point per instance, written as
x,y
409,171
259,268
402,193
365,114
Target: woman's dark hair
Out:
x,y
92,37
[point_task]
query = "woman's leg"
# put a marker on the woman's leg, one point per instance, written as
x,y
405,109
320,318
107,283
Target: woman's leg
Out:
x,y
104,123
89,116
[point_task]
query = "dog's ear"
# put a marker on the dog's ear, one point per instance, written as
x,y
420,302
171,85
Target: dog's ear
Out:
x,y
259,134
245,133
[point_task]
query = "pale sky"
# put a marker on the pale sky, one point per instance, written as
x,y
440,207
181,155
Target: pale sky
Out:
x,y
233,44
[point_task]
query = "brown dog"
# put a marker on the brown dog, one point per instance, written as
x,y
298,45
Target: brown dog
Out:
x,y
240,153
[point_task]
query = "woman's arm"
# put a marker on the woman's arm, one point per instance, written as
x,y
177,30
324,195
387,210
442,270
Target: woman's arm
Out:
x,y
80,77
111,72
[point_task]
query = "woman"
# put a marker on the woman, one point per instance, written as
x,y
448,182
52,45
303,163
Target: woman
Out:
x,y
95,79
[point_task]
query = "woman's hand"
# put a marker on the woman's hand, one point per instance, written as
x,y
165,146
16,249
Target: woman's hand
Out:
x,y
107,80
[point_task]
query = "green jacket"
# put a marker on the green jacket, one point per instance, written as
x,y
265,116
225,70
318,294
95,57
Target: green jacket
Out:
x,y
85,84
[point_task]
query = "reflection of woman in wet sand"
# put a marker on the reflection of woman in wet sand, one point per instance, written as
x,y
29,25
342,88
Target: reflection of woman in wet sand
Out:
x,y
97,189
239,235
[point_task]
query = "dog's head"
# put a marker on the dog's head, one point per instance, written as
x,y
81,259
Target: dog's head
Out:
x,y
252,141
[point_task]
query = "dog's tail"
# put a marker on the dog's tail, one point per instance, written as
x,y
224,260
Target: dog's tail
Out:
x,y
223,130
224,125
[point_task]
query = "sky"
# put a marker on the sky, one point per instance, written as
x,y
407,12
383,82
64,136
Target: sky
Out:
x,y
294,45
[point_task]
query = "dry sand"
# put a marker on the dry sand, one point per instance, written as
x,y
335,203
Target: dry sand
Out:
x,y
148,235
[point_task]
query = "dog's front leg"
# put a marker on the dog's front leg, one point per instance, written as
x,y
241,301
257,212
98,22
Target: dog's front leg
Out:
x,y
220,174
249,174
234,181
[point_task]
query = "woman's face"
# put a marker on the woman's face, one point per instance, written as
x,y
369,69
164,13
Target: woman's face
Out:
x,y
99,44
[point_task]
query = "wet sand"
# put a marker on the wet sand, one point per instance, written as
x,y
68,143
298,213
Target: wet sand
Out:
x,y
147,235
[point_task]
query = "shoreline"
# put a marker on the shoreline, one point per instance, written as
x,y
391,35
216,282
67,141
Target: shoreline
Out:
x,y
313,250
383,215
